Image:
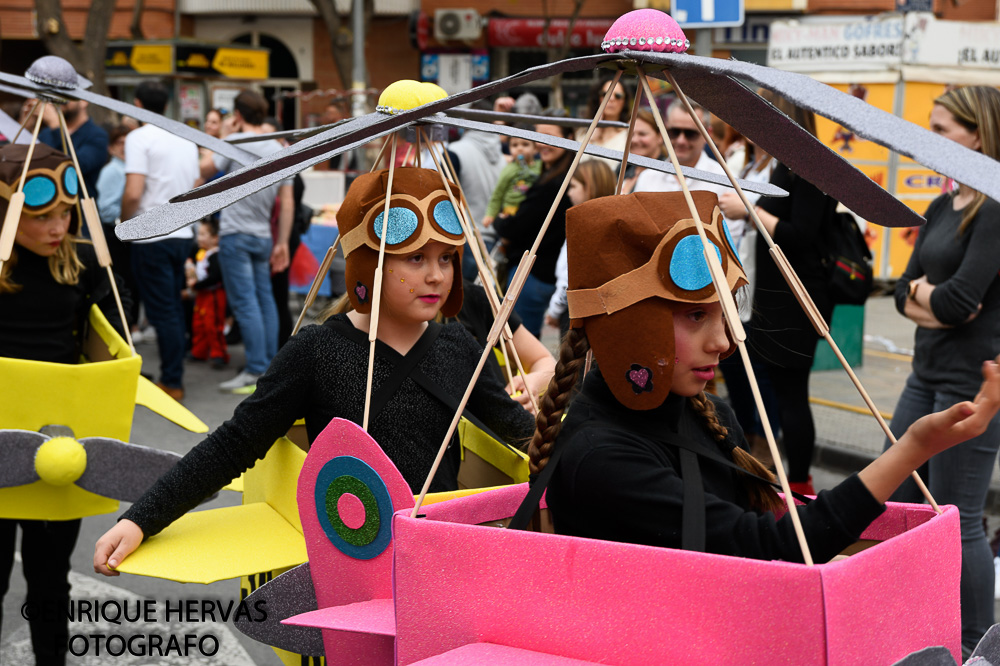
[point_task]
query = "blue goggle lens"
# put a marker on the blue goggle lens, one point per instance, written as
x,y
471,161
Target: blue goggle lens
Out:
x,y
688,268
39,191
447,218
70,182
402,224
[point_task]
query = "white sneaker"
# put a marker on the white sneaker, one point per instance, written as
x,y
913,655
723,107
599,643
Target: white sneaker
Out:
x,y
996,584
241,382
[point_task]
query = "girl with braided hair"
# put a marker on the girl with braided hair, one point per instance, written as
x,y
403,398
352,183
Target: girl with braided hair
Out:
x,y
644,454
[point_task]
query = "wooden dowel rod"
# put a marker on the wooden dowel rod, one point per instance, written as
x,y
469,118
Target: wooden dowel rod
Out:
x,y
377,290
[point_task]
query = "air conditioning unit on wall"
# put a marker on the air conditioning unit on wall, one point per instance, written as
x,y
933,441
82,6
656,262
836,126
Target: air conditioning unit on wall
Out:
x,y
457,24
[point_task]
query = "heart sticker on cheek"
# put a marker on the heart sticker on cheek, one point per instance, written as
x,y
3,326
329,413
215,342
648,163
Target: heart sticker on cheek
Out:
x,y
362,292
641,378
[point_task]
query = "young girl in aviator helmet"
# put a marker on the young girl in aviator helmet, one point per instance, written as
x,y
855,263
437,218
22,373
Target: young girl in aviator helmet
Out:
x,y
46,290
645,455
321,372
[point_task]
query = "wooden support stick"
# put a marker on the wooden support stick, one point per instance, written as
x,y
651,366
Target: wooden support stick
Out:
x,y
406,157
377,290
88,208
794,283
628,140
381,153
27,118
16,203
775,454
491,295
732,320
317,282
576,161
475,229
730,311
498,324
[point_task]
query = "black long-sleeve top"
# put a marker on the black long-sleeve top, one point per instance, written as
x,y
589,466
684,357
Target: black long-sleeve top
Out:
x,y
44,320
780,331
964,270
521,228
320,374
616,482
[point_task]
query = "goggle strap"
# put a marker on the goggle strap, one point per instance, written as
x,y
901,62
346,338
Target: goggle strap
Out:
x,y
614,295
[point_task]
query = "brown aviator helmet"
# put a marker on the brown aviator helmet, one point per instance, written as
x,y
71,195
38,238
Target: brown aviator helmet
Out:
x,y
632,260
419,211
51,179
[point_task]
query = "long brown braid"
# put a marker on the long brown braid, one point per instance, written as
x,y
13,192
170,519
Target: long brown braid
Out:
x,y
548,423
761,495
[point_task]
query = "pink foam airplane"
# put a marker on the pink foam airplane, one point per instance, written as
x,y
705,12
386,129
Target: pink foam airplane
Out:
x,y
450,587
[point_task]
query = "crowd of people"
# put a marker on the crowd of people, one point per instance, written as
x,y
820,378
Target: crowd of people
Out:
x,y
229,271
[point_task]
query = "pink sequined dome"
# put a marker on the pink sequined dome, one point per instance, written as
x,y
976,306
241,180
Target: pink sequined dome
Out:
x,y
645,30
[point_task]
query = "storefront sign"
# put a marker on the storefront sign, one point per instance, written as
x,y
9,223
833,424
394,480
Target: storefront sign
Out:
x,y
431,63
528,33
207,60
809,45
951,43
140,58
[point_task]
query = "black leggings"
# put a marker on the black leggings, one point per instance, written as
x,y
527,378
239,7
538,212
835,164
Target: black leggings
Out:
x,y
46,547
791,387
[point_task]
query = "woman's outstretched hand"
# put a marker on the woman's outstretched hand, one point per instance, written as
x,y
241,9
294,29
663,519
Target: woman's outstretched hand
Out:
x,y
933,434
116,544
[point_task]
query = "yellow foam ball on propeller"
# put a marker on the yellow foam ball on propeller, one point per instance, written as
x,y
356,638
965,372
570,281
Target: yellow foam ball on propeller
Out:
x,y
432,92
401,96
60,461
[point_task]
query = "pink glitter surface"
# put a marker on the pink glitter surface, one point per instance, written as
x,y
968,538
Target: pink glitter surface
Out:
x,y
645,30
616,603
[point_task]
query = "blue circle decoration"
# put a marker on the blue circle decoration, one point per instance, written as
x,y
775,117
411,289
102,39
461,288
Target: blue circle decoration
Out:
x,y
39,191
402,224
70,182
332,474
447,218
688,268
729,239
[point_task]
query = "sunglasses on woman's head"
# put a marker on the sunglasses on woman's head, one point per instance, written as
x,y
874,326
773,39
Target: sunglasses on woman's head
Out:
x,y
689,134
619,95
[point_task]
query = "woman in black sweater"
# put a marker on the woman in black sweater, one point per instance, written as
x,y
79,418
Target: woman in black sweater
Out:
x,y
951,290
645,455
780,335
519,230
321,372
46,291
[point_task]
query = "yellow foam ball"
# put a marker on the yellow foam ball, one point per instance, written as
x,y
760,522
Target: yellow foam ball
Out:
x,y
401,96
432,92
60,461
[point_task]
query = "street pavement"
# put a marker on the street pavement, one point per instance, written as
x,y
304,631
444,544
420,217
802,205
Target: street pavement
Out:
x,y
846,441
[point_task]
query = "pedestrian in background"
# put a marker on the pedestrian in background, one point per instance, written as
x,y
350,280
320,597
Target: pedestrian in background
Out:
x,y
951,290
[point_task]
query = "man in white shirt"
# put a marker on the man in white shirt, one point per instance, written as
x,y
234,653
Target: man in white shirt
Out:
x,y
247,254
158,167
689,145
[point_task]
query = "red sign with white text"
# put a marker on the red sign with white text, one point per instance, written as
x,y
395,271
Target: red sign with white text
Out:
x,y
527,32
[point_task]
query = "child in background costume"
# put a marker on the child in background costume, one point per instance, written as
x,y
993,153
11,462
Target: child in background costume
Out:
x,y
591,180
515,180
46,290
645,455
204,278
321,372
